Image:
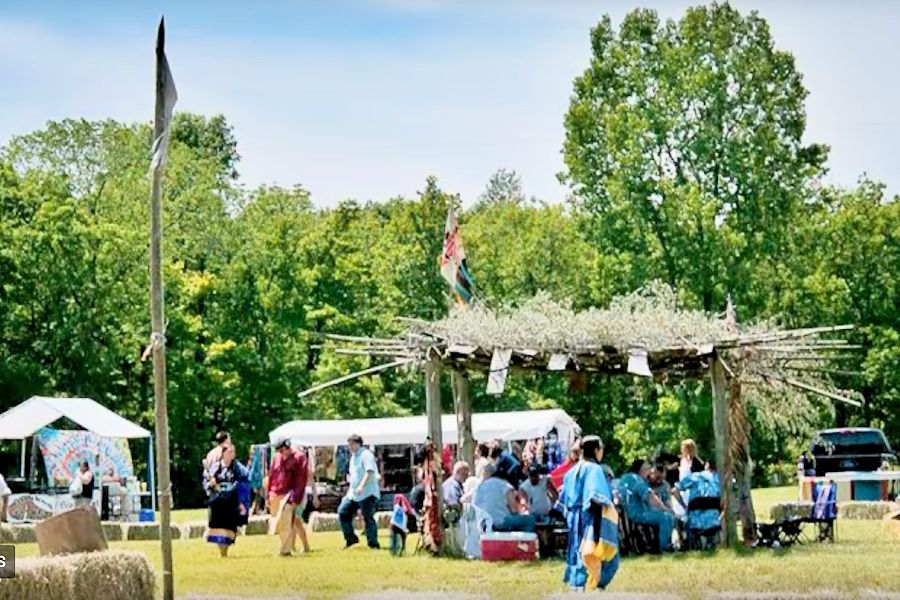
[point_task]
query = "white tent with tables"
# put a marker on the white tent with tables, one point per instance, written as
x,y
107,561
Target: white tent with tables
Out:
x,y
507,426
28,418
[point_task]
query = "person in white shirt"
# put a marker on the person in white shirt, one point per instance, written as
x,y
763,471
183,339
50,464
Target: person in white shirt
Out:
x,y
540,492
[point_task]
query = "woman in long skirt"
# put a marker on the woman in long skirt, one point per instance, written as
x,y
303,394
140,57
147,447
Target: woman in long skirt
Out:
x,y
225,508
592,557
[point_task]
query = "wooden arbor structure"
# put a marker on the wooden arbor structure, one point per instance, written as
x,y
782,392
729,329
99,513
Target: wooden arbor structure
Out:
x,y
637,337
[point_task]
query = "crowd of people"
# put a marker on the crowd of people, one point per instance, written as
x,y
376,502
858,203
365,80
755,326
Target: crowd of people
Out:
x,y
508,488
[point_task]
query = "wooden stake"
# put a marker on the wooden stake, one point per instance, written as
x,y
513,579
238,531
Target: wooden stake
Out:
x,y
463,406
723,459
158,324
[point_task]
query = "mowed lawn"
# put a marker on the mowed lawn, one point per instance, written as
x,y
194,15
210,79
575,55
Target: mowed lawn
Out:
x,y
863,558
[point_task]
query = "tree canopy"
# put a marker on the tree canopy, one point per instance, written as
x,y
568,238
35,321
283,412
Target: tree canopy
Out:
x,y
685,157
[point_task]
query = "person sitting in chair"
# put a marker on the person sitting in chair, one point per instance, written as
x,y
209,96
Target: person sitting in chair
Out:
x,y
643,506
497,498
539,492
703,508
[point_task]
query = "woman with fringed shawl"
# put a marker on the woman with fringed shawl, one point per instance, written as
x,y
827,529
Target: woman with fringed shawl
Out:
x,y
226,509
592,557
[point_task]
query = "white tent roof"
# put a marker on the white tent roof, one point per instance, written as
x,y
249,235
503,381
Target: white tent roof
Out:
x,y
520,425
27,418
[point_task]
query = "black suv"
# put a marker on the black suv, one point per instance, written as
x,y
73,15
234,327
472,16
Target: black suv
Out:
x,y
850,449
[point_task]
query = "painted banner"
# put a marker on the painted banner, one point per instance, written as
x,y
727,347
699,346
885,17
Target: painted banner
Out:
x,y
34,508
64,450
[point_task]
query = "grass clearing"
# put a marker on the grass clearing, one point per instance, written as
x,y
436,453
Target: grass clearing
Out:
x,y
863,558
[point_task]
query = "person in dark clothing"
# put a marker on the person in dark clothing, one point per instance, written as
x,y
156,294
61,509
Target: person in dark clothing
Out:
x,y
507,466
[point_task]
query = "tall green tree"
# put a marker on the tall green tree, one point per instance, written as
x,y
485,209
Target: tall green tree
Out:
x,y
684,149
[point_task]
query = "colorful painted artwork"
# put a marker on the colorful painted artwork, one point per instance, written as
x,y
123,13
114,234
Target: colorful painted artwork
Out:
x,y
30,507
64,450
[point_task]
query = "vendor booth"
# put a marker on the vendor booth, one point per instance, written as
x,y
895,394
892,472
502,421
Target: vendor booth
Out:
x,y
395,439
507,426
103,442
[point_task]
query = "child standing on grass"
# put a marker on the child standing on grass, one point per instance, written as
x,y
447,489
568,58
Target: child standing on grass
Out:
x,y
400,524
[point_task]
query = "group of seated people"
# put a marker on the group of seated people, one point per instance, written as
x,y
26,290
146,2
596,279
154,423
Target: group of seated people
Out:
x,y
500,490
679,496
676,496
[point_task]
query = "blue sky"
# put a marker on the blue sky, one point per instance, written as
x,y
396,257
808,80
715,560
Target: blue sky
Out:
x,y
364,99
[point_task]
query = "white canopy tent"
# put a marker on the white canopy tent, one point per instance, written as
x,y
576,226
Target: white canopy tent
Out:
x,y
519,425
26,419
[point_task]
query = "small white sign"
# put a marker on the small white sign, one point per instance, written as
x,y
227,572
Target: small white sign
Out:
x,y
499,371
637,362
558,362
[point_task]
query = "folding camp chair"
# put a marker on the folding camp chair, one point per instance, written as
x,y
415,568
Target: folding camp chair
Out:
x,y
824,512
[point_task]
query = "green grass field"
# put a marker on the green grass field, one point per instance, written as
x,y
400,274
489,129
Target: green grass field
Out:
x,y
863,558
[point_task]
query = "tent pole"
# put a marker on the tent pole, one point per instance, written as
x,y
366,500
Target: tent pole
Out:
x,y
151,473
22,465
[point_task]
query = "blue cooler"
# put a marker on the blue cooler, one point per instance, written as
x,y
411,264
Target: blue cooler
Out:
x,y
146,515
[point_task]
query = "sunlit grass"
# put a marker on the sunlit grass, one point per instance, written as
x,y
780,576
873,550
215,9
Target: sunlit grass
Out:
x,y
861,559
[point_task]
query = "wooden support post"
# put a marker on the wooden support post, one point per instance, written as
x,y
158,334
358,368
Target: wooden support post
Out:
x,y
433,402
741,465
723,459
433,410
463,407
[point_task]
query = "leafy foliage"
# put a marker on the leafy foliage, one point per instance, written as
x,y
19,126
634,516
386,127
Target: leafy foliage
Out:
x,y
685,155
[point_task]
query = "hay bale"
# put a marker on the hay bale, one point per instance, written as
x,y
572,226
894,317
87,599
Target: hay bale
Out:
x,y
866,510
148,531
113,531
784,511
22,533
192,531
111,575
257,526
319,522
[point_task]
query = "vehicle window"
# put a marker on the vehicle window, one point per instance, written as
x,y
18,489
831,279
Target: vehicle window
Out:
x,y
849,442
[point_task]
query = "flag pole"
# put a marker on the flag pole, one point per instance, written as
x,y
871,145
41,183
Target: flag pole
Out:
x,y
162,115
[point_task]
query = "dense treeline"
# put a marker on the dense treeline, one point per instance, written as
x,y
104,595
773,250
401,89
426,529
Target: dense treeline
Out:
x,y
683,168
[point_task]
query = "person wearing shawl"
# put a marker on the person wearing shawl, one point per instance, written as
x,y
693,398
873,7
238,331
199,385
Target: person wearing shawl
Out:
x,y
400,516
224,502
592,557
703,509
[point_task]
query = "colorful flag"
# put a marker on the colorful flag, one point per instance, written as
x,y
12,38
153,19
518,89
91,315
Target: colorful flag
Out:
x,y
453,262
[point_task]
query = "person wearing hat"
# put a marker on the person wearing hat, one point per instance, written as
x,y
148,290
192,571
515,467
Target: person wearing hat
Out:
x,y
540,492
287,491
363,494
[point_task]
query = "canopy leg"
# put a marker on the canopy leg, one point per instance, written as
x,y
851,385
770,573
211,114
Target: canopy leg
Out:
x,y
22,465
151,474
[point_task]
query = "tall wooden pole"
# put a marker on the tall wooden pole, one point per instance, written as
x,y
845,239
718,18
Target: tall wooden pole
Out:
x,y
463,409
719,382
160,126
435,432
